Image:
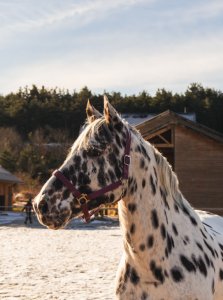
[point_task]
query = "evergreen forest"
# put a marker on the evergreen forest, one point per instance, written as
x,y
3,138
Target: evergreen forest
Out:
x,y
38,126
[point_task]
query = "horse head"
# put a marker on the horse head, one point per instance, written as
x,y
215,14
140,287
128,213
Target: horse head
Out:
x,y
95,161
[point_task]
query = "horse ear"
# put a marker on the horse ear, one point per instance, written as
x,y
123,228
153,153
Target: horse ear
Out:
x,y
92,113
109,112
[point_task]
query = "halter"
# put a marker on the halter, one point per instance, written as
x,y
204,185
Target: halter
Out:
x,y
83,199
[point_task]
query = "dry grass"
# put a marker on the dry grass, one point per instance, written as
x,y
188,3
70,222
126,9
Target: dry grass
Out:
x,y
29,189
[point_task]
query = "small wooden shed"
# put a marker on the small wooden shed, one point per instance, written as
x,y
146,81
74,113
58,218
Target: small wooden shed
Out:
x,y
195,153
7,183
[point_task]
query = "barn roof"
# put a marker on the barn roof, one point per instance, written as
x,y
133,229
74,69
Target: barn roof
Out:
x,y
135,118
8,177
168,117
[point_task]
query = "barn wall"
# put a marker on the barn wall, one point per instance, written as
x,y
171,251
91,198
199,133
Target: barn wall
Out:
x,y
199,167
4,190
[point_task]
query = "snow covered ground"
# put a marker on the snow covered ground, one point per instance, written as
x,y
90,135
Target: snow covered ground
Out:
x,y
78,262
8,217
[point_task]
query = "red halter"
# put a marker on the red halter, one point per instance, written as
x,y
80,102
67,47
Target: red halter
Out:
x,y
83,199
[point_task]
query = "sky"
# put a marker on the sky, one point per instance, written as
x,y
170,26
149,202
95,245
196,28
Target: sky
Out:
x,y
125,46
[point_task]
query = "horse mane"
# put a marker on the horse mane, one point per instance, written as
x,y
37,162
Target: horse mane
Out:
x,y
167,176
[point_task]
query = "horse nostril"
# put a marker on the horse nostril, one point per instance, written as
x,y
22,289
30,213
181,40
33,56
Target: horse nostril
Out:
x,y
50,218
43,207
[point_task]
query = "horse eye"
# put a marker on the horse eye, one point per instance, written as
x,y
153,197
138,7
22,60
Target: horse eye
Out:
x,y
91,151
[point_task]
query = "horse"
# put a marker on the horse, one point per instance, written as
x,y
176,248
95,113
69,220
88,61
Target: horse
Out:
x,y
171,251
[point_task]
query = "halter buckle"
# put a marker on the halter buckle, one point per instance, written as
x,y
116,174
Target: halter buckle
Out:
x,y
127,160
83,199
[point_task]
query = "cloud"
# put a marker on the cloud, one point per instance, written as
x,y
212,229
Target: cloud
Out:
x,y
32,14
125,45
22,17
207,10
128,72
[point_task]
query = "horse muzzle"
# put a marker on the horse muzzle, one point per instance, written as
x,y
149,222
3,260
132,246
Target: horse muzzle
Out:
x,y
53,220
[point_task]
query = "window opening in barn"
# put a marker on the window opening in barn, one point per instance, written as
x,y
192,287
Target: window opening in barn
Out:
x,y
163,140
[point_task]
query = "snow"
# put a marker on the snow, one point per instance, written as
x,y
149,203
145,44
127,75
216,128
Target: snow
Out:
x,y
214,222
8,217
137,118
78,262
134,119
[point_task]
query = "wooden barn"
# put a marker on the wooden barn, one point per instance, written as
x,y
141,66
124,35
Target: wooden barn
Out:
x,y
195,153
7,183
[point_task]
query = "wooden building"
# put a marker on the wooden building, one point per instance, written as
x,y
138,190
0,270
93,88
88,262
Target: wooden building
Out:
x,y
195,153
7,183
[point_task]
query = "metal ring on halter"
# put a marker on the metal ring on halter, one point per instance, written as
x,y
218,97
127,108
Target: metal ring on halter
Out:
x,y
127,163
83,197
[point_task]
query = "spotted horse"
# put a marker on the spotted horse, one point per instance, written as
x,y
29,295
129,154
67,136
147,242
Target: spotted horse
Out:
x,y
171,251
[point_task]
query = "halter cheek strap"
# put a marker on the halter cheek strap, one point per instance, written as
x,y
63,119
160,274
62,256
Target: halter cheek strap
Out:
x,y
83,199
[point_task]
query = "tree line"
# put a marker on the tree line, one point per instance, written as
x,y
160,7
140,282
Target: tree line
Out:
x,y
34,117
33,160
30,109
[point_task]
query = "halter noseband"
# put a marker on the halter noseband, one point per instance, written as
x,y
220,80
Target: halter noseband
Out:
x,y
83,199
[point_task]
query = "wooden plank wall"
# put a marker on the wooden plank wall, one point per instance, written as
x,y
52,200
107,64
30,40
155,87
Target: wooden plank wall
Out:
x,y
199,167
4,190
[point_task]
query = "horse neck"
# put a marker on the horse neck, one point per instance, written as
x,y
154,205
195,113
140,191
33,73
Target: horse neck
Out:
x,y
145,215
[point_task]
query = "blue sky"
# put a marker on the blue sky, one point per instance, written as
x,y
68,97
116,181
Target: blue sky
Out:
x,y
118,45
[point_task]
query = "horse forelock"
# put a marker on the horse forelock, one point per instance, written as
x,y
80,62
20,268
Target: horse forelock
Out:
x,y
88,133
90,129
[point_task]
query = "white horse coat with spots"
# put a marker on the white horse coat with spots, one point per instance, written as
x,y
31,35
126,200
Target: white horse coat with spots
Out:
x,y
171,251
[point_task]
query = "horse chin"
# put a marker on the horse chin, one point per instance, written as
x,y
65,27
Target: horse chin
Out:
x,y
57,226
55,222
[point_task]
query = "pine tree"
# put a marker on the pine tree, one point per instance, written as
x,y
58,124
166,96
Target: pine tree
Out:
x,y
7,161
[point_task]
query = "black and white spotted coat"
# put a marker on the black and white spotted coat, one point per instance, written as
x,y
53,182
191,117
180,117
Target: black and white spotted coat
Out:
x,y
171,251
